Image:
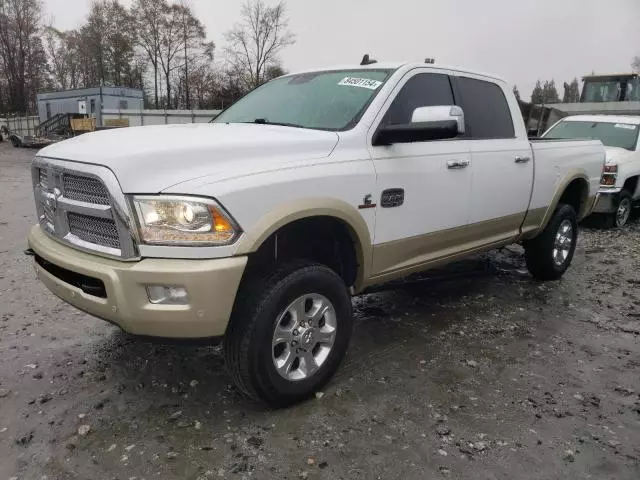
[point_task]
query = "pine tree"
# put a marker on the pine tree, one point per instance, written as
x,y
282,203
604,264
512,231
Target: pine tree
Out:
x,y
537,95
571,92
550,93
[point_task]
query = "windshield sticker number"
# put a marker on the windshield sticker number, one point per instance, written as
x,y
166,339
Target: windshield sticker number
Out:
x,y
626,126
360,82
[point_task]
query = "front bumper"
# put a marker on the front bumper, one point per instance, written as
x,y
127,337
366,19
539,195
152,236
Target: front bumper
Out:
x,y
211,286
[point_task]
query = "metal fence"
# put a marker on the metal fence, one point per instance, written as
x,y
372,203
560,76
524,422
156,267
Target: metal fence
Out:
x,y
136,118
23,126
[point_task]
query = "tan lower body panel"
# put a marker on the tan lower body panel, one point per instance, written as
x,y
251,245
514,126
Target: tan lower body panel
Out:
x,y
402,257
210,284
533,221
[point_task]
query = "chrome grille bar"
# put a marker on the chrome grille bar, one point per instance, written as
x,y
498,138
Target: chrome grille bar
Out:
x,y
44,180
83,206
84,189
100,231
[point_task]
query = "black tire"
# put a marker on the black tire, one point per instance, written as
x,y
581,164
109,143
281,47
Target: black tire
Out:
x,y
539,251
618,219
262,299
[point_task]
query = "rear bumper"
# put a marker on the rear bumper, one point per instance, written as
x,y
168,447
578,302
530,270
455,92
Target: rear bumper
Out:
x,y
210,284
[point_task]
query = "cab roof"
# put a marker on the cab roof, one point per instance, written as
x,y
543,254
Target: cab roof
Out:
x,y
628,119
406,66
611,76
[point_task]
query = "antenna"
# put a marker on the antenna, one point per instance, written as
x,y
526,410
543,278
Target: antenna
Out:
x,y
367,61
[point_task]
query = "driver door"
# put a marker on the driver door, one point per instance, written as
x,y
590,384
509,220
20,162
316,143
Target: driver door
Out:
x,y
433,178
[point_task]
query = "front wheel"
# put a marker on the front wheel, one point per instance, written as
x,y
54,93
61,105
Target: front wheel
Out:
x,y
289,332
549,254
623,212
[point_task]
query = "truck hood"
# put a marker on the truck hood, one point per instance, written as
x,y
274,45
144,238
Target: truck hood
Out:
x,y
152,159
620,155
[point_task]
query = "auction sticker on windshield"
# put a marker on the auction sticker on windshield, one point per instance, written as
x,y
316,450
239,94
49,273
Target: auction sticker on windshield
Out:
x,y
625,126
360,82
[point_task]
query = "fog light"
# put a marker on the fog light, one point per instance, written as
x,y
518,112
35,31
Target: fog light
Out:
x,y
167,295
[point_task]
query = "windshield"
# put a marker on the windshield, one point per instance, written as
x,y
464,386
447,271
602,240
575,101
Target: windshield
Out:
x,y
602,91
611,90
332,100
623,135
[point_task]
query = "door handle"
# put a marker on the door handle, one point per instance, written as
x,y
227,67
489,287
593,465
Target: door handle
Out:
x,y
458,163
520,159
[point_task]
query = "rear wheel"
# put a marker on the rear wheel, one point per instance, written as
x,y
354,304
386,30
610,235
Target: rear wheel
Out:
x,y
289,332
549,254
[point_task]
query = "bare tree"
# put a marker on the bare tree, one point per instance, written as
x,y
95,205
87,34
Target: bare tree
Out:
x,y
195,46
59,55
120,36
635,64
182,39
149,15
94,43
105,45
171,44
22,61
255,42
274,71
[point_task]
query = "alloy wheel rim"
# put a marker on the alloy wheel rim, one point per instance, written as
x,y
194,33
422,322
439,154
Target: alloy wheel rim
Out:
x,y
303,337
563,242
623,212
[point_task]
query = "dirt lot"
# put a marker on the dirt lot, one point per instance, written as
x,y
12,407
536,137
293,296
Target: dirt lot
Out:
x,y
475,371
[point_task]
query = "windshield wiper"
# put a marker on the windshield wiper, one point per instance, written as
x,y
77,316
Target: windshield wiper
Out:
x,y
264,121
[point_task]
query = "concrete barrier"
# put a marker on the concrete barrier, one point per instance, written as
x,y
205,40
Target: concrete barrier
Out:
x,y
138,118
23,126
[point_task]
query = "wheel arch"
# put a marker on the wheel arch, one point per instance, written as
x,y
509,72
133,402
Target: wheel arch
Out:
x,y
288,214
631,184
576,194
574,190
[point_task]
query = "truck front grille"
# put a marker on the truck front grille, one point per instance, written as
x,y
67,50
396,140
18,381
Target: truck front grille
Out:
x,y
42,177
48,216
85,189
100,231
83,206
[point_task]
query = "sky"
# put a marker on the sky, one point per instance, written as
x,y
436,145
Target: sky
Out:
x,y
519,40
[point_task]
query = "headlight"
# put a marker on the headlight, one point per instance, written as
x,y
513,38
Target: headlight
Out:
x,y
609,175
168,220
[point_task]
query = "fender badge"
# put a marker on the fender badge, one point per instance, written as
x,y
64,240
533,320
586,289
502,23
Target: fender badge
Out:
x,y
366,202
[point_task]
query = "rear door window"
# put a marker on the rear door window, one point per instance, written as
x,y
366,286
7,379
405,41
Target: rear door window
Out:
x,y
486,110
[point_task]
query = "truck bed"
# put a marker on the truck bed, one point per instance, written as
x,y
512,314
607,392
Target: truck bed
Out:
x,y
556,158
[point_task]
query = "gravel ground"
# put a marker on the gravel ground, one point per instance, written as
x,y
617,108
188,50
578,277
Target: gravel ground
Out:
x,y
474,371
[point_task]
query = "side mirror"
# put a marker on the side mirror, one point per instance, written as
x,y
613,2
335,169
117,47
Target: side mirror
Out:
x,y
427,123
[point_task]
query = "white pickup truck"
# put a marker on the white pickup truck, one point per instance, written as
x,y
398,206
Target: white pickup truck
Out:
x,y
259,226
619,187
